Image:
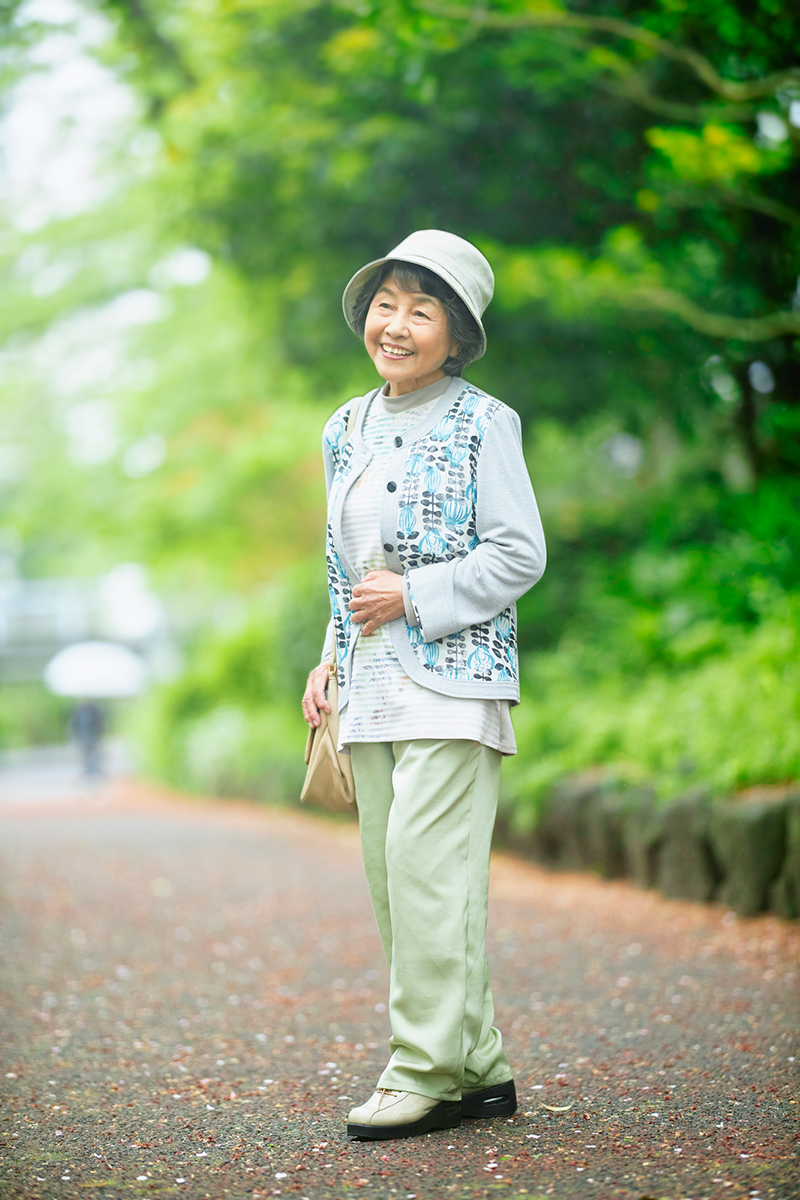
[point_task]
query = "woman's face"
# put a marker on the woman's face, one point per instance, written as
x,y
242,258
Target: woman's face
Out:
x,y
407,337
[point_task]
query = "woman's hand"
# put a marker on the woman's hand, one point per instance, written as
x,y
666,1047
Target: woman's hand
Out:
x,y
314,697
377,600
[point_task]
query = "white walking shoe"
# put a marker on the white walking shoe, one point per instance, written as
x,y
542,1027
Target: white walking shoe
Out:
x,y
394,1114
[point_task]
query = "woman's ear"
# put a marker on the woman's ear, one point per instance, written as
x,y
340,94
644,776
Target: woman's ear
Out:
x,y
454,350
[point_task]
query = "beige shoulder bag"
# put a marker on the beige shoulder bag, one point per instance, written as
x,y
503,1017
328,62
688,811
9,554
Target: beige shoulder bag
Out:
x,y
329,778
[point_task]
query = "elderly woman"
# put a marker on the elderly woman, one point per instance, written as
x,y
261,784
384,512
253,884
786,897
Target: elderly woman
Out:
x,y
433,535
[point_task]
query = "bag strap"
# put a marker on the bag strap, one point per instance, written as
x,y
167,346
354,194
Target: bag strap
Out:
x,y
352,417
355,408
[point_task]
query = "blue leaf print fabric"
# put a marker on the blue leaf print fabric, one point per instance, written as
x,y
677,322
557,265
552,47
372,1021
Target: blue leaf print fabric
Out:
x,y
432,545
455,512
407,519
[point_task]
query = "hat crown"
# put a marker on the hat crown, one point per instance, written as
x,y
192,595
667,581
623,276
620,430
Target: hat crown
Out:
x,y
455,259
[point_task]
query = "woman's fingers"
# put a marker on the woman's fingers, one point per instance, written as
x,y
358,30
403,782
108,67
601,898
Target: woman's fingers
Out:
x,y
310,710
360,590
377,599
314,697
319,693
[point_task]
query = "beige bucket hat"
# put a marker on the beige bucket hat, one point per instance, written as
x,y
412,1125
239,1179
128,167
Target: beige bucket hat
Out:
x,y
454,259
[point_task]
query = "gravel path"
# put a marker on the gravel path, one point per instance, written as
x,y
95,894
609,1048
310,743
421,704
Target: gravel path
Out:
x,y
193,995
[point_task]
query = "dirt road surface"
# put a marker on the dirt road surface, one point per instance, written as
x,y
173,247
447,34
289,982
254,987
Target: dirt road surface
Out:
x,y
193,996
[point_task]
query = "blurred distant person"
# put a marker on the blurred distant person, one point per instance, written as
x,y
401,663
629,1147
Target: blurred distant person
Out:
x,y
87,726
433,535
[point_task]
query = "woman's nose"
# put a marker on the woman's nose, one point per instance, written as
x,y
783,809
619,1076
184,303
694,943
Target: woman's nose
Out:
x,y
397,325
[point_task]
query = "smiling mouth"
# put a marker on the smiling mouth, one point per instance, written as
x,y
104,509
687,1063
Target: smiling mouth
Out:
x,y
395,351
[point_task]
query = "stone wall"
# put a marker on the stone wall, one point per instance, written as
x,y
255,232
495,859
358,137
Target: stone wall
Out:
x,y
743,852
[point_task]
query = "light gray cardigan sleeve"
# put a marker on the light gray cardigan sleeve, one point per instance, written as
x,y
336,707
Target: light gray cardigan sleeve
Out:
x,y
510,558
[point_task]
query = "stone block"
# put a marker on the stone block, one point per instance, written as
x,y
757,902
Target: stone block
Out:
x,y
684,867
560,838
785,891
605,822
642,837
748,840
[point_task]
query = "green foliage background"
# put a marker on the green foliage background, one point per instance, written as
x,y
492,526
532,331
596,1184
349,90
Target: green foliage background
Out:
x,y
631,170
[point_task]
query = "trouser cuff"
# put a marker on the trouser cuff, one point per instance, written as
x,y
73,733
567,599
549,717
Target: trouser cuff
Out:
x,y
437,1087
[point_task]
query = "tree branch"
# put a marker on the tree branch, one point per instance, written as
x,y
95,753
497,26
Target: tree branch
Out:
x,y
149,37
745,329
634,88
625,81
696,62
736,198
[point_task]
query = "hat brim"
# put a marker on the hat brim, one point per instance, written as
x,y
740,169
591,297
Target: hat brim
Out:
x,y
362,277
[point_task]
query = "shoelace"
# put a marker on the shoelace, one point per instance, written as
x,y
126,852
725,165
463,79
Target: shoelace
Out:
x,y
385,1092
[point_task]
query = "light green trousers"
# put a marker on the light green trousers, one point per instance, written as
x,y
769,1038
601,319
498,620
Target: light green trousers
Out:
x,y
427,810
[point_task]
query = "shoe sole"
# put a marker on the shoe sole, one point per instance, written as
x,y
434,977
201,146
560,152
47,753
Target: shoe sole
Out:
x,y
500,1100
446,1115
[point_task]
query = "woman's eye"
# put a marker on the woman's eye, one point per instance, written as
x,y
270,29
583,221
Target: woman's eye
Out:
x,y
419,313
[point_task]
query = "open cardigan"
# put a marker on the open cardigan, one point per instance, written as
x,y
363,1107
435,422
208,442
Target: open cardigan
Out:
x,y
460,521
